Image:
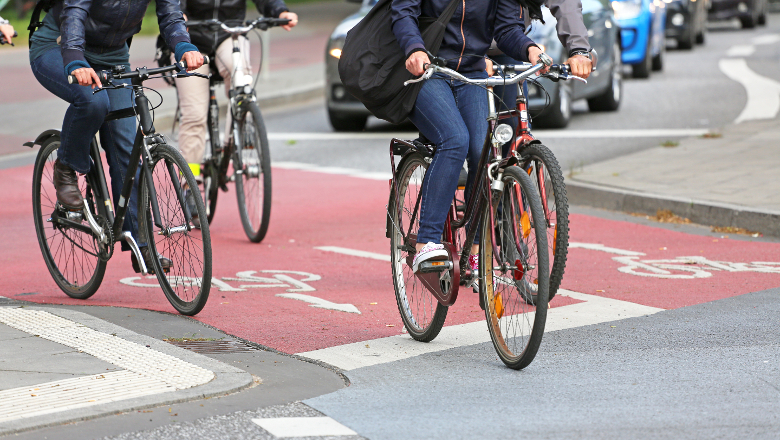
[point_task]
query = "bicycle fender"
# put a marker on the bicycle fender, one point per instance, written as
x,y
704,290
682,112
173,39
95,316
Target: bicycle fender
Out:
x,y
42,138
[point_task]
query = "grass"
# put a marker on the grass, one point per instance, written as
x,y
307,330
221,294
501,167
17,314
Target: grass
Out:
x,y
669,144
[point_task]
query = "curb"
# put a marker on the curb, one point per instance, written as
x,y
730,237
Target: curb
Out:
x,y
227,379
698,211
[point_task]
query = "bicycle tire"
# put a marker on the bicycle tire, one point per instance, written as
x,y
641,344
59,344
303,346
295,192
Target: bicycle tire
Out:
x,y
189,281
210,170
505,291
253,159
422,314
74,270
557,235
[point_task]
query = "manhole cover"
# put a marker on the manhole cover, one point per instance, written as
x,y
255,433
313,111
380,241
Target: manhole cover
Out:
x,y
212,347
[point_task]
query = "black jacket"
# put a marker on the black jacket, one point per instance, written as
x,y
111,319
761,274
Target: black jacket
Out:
x,y
223,10
105,25
466,37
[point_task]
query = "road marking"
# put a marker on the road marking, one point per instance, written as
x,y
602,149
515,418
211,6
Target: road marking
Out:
x,y
741,50
145,371
763,94
767,39
320,303
354,252
282,427
332,170
541,134
593,310
602,248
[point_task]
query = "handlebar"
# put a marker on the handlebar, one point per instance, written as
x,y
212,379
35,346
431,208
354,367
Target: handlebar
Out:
x,y
523,71
141,72
262,23
4,41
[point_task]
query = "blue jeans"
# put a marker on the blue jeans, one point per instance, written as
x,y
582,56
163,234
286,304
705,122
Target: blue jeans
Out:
x,y
452,115
83,119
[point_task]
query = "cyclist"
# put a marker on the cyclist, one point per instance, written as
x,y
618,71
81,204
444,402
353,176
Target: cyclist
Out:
x,y
447,112
78,37
194,93
6,30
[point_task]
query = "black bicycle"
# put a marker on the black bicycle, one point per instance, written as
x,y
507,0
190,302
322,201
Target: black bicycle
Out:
x,y
76,245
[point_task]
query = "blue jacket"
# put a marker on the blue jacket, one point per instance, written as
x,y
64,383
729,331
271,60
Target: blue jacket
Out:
x,y
468,36
105,25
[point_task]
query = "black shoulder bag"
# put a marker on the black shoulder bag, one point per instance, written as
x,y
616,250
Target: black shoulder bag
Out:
x,y
372,64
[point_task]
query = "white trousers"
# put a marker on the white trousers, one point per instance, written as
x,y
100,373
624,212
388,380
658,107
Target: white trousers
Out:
x,y
194,100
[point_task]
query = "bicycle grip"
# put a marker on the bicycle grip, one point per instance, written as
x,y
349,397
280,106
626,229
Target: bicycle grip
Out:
x,y
206,60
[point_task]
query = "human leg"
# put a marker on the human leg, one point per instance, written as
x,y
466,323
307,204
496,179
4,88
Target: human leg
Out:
x,y
193,96
224,62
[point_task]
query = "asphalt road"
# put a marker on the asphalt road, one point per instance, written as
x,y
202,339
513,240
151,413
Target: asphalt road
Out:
x,y
693,353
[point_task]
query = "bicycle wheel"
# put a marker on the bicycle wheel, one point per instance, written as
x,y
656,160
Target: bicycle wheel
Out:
x,y
544,170
72,256
252,169
211,168
515,282
420,311
187,284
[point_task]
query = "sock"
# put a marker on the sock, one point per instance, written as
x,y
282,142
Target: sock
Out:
x,y
195,167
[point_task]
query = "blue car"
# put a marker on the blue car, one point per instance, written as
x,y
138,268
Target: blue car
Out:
x,y
642,27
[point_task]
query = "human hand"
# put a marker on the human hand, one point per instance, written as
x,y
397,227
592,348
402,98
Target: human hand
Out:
x,y
194,60
580,66
489,66
86,76
8,32
292,16
534,53
416,62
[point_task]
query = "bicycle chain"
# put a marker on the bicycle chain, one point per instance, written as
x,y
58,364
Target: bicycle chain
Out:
x,y
105,251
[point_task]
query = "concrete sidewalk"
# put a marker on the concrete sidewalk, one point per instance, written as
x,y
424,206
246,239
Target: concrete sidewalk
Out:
x,y
729,179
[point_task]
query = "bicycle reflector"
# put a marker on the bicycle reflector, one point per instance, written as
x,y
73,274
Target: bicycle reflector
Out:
x,y
503,134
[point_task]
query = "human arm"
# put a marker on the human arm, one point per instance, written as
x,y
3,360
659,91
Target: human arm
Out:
x,y
572,33
277,8
509,33
7,30
405,15
171,21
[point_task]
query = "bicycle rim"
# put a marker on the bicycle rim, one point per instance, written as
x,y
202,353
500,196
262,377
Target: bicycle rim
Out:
x,y
514,280
420,311
253,174
546,174
188,283
70,255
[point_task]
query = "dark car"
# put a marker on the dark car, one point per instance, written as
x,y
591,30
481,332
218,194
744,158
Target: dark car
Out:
x,y
604,89
749,12
686,22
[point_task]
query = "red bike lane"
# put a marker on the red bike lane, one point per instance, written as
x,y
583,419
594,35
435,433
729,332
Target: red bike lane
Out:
x,y
287,294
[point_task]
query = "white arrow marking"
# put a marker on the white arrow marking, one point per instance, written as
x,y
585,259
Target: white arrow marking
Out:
x,y
224,287
763,94
602,248
741,50
320,303
766,39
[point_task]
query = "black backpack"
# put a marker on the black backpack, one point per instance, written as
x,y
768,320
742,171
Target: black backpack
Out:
x,y
372,64
35,18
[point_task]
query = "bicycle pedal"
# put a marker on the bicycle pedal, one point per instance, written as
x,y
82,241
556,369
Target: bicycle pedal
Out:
x,y
435,266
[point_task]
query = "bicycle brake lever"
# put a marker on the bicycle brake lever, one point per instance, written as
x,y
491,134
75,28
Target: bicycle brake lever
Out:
x,y
577,78
427,74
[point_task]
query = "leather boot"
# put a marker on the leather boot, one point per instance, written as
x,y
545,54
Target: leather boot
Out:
x,y
164,262
66,182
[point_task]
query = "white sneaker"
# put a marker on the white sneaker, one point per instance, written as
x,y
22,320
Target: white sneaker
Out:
x,y
429,251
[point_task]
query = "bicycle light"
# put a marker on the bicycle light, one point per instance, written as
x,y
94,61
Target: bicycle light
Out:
x,y
503,134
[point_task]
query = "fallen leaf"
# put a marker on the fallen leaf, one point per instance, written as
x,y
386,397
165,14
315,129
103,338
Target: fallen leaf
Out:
x,y
599,291
389,325
373,304
662,248
613,326
367,346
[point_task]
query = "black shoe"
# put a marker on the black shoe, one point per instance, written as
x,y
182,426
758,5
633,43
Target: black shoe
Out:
x,y
66,182
164,262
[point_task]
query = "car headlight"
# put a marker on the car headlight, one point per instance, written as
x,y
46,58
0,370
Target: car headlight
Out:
x,y
334,48
627,9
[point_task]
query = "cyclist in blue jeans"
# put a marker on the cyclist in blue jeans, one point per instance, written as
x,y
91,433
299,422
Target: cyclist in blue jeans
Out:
x,y
77,38
448,112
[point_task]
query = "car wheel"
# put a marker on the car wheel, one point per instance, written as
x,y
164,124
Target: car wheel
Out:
x,y
558,113
748,22
341,122
688,40
642,70
658,60
609,101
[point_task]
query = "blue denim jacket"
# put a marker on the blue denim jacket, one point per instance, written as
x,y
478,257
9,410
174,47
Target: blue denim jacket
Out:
x,y
105,25
468,36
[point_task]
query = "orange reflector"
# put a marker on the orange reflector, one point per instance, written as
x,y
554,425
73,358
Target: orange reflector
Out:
x,y
555,237
437,263
525,222
529,170
536,281
461,188
498,305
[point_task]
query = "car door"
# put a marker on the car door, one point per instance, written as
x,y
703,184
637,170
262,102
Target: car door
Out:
x,y
595,15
